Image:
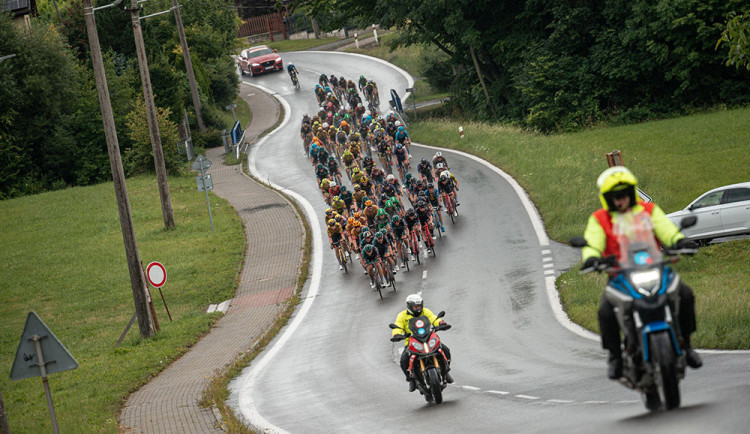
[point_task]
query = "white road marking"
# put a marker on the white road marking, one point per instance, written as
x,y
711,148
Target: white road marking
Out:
x,y
549,271
547,259
470,388
250,94
548,265
527,397
498,392
546,252
628,402
595,402
424,274
560,401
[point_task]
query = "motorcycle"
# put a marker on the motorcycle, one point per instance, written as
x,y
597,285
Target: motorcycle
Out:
x,y
644,291
428,362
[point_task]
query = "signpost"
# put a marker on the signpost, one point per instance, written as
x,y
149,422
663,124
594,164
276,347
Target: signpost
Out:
x,y
157,277
413,100
204,181
40,353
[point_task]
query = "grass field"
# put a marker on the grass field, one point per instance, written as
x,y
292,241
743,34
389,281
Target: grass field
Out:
x,y
297,44
242,111
407,58
675,160
65,260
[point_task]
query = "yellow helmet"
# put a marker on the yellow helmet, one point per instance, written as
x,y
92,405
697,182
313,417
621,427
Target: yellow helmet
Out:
x,y
614,181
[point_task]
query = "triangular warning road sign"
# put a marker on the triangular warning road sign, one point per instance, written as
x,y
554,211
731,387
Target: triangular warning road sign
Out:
x,y
56,357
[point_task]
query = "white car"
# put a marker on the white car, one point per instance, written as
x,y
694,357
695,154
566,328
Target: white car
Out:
x,y
721,212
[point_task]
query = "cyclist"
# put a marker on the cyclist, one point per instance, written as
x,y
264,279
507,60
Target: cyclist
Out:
x,y
433,197
382,219
384,249
370,211
400,232
439,158
348,198
425,170
333,169
424,213
323,80
402,159
321,171
378,178
325,184
367,163
439,168
292,71
448,184
348,158
371,259
358,195
402,137
412,223
335,238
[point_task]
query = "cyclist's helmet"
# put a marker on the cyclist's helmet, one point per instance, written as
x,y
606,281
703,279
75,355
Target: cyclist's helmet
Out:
x,y
329,211
350,220
439,166
401,128
332,184
445,175
368,248
364,180
395,218
398,123
325,125
331,158
357,187
381,211
411,212
438,154
399,146
421,194
368,203
430,186
343,189
408,176
357,215
356,223
423,161
616,182
319,166
344,124
336,198
367,158
390,177
355,169
331,222
378,235
414,305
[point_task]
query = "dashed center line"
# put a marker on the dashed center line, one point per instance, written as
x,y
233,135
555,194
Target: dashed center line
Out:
x,y
560,401
424,274
498,392
527,397
470,387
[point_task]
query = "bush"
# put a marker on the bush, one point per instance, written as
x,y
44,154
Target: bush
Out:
x,y
210,138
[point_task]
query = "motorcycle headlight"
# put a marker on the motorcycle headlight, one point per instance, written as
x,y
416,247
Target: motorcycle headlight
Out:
x,y
432,342
646,281
417,345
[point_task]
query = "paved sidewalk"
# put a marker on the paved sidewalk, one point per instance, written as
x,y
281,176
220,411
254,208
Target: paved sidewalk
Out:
x,y
169,402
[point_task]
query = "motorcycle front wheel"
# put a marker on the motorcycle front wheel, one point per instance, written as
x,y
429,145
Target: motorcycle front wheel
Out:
x,y
436,388
665,373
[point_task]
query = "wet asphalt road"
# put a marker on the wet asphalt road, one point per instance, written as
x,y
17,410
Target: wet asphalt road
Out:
x,y
516,368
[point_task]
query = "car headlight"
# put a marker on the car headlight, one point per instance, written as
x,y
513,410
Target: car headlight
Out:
x,y
646,281
256,64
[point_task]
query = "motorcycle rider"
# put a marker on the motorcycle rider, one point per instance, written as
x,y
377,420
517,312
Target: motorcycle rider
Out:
x,y
415,308
618,194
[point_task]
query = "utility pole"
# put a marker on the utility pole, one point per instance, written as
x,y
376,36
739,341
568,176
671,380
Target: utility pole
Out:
x,y
137,282
188,66
153,123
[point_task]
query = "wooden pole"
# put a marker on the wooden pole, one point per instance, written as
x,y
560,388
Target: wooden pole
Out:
x,y
189,67
153,123
137,282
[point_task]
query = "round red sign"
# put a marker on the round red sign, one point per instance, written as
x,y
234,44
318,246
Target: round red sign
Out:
x,y
156,274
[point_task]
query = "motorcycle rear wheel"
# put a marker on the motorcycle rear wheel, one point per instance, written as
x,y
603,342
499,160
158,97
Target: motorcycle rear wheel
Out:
x,y
436,387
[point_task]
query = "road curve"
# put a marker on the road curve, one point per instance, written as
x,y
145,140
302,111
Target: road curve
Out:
x,y
516,368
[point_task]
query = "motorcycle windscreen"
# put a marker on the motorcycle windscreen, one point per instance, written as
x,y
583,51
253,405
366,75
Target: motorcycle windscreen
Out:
x,y
420,327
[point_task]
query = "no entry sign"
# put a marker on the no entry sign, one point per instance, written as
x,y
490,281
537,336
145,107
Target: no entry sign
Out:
x,y
156,274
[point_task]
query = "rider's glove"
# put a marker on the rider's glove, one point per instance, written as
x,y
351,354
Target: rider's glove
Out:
x,y
686,244
591,262
444,326
397,338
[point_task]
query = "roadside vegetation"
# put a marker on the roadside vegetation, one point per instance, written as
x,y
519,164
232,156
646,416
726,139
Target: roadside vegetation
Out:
x,y
412,59
64,259
675,160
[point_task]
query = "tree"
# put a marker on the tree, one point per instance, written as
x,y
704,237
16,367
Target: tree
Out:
x,y
737,36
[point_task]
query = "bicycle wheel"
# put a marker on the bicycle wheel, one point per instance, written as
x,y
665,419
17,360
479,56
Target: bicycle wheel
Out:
x,y
415,248
437,220
405,255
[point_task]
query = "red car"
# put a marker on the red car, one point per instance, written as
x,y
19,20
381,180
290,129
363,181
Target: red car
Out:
x,y
260,59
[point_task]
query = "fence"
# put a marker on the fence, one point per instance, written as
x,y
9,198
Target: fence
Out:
x,y
263,25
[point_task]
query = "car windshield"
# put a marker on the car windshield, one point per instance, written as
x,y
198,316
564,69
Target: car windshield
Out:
x,y
635,235
257,53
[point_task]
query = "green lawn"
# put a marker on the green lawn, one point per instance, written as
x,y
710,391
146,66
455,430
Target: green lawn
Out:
x,y
64,259
298,44
407,58
242,111
675,160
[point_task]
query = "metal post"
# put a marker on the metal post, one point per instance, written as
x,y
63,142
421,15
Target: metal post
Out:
x,y
414,104
356,41
47,392
208,204
375,33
